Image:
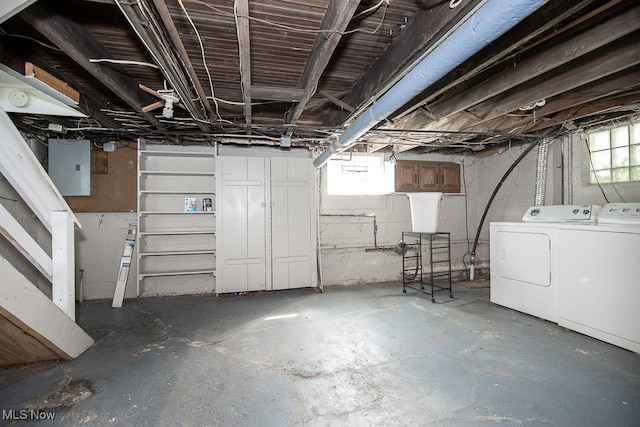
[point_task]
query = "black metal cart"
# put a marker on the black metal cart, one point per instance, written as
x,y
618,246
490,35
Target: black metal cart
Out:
x,y
437,276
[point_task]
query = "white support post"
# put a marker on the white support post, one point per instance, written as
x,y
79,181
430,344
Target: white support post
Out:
x,y
63,257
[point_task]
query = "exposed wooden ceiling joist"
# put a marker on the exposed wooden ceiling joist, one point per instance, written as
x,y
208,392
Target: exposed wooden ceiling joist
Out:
x,y
241,11
174,35
618,56
80,45
336,19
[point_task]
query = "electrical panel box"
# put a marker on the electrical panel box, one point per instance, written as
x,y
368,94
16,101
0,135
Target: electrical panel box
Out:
x,y
70,166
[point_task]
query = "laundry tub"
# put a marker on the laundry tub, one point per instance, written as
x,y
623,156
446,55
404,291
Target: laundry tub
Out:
x,y
424,211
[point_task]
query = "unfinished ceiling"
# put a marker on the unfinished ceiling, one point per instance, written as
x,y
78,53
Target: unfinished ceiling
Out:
x,y
298,72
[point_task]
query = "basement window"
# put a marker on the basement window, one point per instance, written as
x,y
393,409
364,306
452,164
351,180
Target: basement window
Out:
x,y
615,155
360,174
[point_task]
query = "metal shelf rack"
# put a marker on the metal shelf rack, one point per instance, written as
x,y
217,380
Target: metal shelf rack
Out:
x,y
437,275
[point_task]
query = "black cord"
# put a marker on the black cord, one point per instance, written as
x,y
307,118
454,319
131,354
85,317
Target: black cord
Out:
x,y
466,206
495,191
593,169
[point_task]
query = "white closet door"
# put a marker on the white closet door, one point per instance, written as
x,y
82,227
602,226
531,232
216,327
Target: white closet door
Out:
x,y
243,255
293,227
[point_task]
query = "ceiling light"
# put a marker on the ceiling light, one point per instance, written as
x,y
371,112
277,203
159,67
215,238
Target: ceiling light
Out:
x,y
170,98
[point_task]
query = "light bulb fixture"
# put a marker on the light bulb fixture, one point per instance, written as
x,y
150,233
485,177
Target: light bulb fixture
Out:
x,y
170,97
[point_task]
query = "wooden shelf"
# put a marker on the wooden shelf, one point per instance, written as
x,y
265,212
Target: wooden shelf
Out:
x,y
164,176
185,192
193,252
176,213
175,153
185,173
178,273
176,232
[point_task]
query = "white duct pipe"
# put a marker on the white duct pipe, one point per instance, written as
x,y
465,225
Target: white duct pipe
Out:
x,y
488,22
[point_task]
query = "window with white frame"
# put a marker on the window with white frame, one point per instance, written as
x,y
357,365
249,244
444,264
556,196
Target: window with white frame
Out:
x,y
614,154
360,174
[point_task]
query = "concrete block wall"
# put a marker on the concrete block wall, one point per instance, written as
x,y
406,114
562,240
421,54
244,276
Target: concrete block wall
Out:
x,y
99,246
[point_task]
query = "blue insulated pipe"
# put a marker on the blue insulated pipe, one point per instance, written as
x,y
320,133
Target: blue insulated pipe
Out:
x,y
489,21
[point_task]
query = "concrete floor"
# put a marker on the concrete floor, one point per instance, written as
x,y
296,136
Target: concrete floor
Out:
x,y
356,355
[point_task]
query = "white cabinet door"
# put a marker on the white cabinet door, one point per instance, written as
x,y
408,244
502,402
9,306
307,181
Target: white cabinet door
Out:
x,y
267,224
293,223
243,252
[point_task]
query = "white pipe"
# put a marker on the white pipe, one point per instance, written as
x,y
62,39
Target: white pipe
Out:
x,y
488,22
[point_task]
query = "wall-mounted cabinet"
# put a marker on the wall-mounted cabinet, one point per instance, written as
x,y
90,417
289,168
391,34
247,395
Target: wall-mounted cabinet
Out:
x,y
420,176
176,245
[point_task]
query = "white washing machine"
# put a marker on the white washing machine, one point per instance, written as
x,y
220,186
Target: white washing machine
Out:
x,y
599,276
582,273
524,258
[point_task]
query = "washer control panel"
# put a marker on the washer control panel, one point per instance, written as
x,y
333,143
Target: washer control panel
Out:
x,y
562,213
620,213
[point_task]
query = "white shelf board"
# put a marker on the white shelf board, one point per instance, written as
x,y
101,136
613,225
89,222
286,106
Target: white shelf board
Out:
x,y
176,213
177,153
166,172
176,232
185,192
178,273
193,252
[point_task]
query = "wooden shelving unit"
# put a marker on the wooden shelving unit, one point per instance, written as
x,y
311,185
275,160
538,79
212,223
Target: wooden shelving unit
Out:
x,y
176,248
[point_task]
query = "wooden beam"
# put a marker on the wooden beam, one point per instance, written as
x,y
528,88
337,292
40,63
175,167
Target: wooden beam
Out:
x,y
80,45
37,73
604,88
336,19
336,101
533,66
13,60
500,50
241,12
429,25
174,35
273,93
606,61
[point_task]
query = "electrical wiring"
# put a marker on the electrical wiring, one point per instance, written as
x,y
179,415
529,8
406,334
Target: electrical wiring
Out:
x,y
384,15
204,57
327,33
48,46
124,62
372,8
586,143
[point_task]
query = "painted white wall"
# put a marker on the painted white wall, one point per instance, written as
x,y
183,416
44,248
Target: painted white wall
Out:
x,y
99,246
344,240
345,259
347,255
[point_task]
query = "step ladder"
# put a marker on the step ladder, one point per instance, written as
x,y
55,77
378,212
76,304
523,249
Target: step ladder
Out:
x,y
125,264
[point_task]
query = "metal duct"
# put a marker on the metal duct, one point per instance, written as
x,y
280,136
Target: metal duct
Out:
x,y
488,22
541,172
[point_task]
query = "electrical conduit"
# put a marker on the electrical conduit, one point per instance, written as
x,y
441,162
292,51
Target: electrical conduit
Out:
x,y
488,22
